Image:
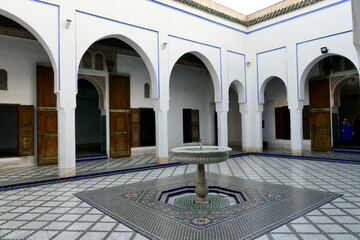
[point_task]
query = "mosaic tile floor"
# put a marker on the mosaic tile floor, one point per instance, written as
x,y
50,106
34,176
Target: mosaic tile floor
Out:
x,y
262,207
52,212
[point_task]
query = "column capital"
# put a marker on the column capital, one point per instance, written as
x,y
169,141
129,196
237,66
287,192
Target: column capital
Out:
x,y
260,107
222,107
298,105
161,105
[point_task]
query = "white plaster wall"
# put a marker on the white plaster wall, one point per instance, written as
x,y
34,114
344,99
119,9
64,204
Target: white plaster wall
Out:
x,y
191,88
19,57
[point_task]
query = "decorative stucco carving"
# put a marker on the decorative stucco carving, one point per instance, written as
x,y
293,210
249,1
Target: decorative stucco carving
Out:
x,y
99,83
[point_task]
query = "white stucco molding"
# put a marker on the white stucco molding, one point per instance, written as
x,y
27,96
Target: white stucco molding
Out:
x,y
143,40
35,24
263,87
240,90
309,54
210,55
99,84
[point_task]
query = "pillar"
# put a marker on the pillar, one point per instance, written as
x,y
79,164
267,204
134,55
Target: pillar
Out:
x,y
245,121
296,127
66,96
222,109
256,127
161,121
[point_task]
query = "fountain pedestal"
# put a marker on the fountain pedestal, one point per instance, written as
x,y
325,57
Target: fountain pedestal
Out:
x,y
205,155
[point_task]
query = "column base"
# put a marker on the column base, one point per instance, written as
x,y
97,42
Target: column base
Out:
x,y
67,172
251,149
162,160
296,152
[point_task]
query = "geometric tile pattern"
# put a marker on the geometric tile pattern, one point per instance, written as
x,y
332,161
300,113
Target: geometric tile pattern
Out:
x,y
267,206
52,212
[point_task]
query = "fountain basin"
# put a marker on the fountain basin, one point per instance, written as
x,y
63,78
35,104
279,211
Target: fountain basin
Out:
x,y
206,155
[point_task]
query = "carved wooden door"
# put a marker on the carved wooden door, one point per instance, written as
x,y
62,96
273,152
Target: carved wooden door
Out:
x,y
25,130
120,118
47,116
320,115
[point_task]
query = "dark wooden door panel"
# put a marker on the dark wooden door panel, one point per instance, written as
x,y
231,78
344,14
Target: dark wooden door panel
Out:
x,y
320,131
135,127
47,137
45,86
320,115
319,93
25,130
195,129
119,91
119,134
47,116
120,118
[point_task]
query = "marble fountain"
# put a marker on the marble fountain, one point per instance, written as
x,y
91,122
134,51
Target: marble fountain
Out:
x,y
201,155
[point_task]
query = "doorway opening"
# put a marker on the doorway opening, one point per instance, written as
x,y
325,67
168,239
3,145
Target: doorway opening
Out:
x,y
88,119
8,130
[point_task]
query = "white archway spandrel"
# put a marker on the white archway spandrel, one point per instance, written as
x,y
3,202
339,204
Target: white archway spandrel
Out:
x,y
209,55
143,41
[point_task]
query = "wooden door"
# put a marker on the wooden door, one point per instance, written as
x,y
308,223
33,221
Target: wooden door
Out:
x,y
25,130
320,115
120,118
47,116
47,137
135,127
195,128
120,136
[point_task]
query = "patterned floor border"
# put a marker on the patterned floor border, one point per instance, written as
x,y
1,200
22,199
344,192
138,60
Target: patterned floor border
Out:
x,y
323,159
106,201
24,183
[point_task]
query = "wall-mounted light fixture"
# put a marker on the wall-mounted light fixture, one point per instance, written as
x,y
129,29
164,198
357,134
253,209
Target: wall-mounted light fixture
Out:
x,y
68,22
164,45
324,50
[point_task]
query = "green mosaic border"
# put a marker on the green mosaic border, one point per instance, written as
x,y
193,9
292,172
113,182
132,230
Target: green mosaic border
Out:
x,y
254,21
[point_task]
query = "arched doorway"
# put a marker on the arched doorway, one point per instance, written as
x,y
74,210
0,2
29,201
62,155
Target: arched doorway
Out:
x,y
87,119
27,99
276,115
192,109
234,119
331,94
123,84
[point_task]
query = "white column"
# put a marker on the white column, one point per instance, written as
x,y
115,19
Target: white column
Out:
x,y
245,121
161,120
66,96
296,128
256,127
66,136
222,109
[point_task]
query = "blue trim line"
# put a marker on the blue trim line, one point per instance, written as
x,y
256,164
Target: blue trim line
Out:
x,y
198,16
208,45
158,52
189,40
299,16
257,67
113,20
242,31
58,6
135,26
307,41
85,176
241,54
157,166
